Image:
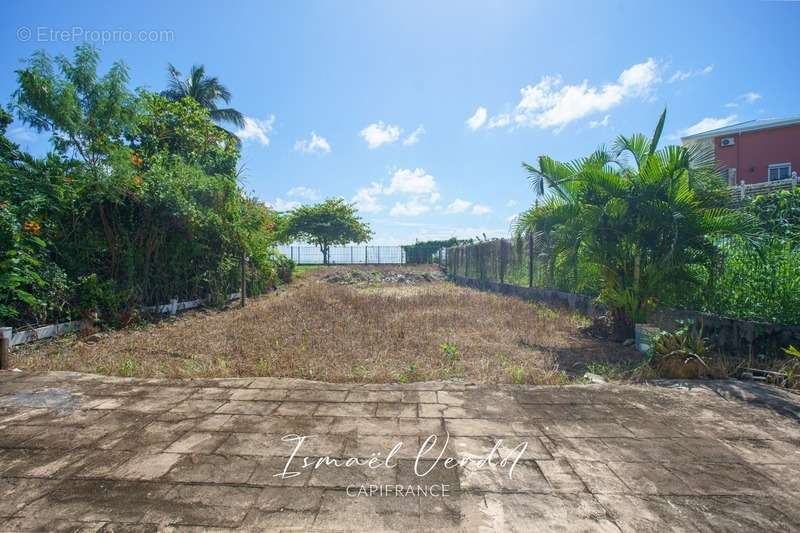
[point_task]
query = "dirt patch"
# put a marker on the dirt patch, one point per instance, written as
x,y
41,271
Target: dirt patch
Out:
x,y
343,332
382,275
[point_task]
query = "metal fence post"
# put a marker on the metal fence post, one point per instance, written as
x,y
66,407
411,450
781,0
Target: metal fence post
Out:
x,y
503,260
530,259
482,261
243,296
742,189
5,346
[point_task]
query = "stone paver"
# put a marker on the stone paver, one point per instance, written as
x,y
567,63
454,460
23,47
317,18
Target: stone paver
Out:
x,y
91,453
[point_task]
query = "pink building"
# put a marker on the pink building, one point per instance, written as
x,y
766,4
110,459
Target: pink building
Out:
x,y
755,151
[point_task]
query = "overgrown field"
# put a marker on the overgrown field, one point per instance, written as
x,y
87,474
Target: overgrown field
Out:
x,y
385,324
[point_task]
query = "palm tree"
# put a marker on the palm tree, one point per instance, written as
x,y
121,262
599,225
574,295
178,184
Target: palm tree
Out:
x,y
649,221
205,91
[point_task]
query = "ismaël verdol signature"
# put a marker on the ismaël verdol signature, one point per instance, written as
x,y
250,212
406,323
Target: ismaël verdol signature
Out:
x,y
425,453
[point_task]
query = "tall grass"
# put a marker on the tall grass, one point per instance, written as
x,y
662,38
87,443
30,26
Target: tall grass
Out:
x,y
760,284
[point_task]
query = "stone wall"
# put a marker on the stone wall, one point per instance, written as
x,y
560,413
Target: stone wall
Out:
x,y
730,335
740,337
556,298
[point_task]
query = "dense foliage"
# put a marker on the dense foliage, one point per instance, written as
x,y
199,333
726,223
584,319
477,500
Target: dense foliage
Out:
x,y
204,90
424,252
761,283
648,221
136,203
330,223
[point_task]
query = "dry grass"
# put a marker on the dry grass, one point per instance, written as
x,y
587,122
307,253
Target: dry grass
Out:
x,y
370,332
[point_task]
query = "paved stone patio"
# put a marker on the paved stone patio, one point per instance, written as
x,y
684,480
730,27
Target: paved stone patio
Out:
x,y
91,453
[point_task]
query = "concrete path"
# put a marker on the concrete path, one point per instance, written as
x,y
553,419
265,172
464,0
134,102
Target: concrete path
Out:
x,y
90,453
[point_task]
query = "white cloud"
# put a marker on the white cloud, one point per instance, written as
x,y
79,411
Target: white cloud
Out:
x,y
22,134
750,97
552,104
416,188
680,75
314,145
298,196
410,208
598,123
499,121
478,119
511,203
457,206
708,123
305,193
409,181
256,130
413,137
379,133
549,104
366,198
283,205
479,209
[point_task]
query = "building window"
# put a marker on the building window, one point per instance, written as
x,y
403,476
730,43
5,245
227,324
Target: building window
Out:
x,y
731,177
780,171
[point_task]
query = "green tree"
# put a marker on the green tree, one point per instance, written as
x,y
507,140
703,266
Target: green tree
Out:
x,y
206,91
137,203
428,251
22,202
86,113
330,223
649,220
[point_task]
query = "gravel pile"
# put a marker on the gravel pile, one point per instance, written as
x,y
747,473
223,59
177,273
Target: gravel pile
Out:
x,y
399,277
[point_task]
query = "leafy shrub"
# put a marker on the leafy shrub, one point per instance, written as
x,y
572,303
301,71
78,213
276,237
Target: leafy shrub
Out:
x,y
137,202
409,373
685,354
425,252
128,368
517,375
285,268
759,284
450,352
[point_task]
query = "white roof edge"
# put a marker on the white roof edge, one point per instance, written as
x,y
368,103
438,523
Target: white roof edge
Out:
x,y
750,125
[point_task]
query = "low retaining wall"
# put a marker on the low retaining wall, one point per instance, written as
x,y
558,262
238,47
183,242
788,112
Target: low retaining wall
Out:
x,y
566,300
55,330
732,336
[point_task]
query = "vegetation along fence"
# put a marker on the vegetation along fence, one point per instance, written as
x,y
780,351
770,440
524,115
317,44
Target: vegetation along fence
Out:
x,y
520,268
501,260
25,335
744,190
364,255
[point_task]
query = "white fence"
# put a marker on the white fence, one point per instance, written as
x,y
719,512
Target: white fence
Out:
x,y
741,191
54,330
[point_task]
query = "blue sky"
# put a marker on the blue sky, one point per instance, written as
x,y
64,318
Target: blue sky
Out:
x,y
421,112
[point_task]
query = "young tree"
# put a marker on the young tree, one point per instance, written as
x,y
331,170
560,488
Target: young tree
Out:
x,y
86,114
649,220
332,222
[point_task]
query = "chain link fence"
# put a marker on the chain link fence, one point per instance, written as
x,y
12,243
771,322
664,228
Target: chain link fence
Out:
x,y
365,255
502,260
